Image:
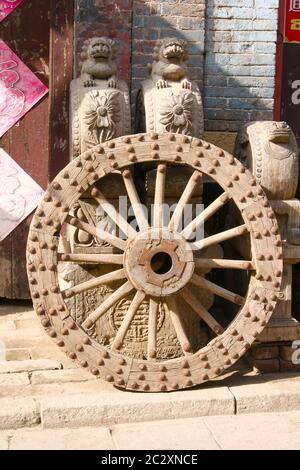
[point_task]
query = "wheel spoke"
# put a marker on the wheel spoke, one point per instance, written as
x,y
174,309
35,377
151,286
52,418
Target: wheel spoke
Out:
x,y
117,275
223,264
201,311
107,304
152,329
159,196
205,215
91,258
111,211
96,232
221,237
136,204
134,306
178,326
203,283
184,199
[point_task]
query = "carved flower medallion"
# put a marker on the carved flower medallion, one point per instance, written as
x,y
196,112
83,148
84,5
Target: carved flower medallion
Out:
x,y
177,113
102,115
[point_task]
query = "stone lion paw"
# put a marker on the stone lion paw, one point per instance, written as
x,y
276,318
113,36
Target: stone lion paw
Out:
x,y
112,83
89,83
186,84
162,84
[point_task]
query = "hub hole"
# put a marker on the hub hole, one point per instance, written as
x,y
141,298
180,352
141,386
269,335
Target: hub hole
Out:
x,y
161,263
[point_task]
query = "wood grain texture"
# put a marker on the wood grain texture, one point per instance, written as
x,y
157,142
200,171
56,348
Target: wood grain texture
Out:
x,y
61,73
77,337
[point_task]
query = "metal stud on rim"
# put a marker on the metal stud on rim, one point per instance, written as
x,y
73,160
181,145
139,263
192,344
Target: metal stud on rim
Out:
x,y
265,267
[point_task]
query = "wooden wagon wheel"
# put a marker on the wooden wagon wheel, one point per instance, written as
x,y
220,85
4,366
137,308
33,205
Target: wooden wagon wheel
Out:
x,y
136,267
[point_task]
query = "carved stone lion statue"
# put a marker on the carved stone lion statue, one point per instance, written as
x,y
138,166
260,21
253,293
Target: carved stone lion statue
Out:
x,y
98,62
99,105
168,100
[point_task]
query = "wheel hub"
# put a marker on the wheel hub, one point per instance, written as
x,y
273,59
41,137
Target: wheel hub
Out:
x,y
159,262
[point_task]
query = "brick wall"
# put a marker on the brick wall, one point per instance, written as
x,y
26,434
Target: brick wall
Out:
x,y
154,20
240,62
239,37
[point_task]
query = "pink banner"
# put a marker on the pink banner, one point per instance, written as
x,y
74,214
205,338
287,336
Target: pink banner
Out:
x,y
7,6
20,89
19,194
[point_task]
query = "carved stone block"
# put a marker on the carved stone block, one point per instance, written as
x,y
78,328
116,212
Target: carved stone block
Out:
x,y
99,102
270,151
169,101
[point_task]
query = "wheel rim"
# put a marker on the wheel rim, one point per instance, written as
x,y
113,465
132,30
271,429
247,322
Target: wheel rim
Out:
x,y
265,266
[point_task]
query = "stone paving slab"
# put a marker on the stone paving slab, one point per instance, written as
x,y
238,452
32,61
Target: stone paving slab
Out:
x,y
184,434
62,439
4,441
273,431
270,431
261,431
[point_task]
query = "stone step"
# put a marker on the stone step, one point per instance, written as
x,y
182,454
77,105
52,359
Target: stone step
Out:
x,y
80,403
19,413
10,367
111,408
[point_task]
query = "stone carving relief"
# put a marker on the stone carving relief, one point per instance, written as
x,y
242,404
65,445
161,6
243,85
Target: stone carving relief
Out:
x,y
100,107
269,150
102,114
170,101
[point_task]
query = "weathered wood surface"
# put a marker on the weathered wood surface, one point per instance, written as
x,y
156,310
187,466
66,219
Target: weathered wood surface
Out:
x,y
79,339
61,73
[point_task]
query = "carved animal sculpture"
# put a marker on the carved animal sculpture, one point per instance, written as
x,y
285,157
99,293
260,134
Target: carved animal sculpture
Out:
x,y
98,62
269,149
169,63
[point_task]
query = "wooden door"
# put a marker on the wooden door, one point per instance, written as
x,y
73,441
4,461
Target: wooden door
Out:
x,y
41,34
